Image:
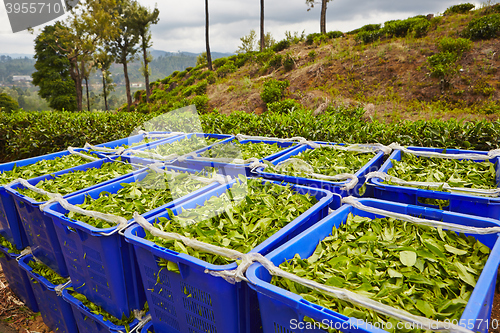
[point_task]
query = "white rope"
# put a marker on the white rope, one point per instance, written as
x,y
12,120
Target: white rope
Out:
x,y
308,170
382,175
118,150
72,151
238,275
215,177
470,156
151,155
160,135
431,223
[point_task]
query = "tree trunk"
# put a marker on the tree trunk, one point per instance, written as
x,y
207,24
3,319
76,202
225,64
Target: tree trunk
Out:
x,y
104,92
146,69
262,35
127,85
87,87
323,16
209,56
75,75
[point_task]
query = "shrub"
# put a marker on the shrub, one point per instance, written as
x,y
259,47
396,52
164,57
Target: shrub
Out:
x,y
335,34
276,61
443,64
459,9
201,87
217,63
310,38
263,57
368,36
320,39
454,45
227,68
312,54
180,75
241,60
7,103
485,27
274,90
189,81
400,28
166,80
201,103
288,62
281,45
137,95
284,106
421,28
367,27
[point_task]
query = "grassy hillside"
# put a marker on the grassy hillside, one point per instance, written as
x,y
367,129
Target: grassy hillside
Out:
x,y
387,70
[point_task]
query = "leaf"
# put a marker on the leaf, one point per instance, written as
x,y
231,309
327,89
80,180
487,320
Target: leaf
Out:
x,y
464,275
408,258
393,273
425,308
454,250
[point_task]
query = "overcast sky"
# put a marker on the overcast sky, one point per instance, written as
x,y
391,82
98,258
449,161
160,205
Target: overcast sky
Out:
x,y
181,25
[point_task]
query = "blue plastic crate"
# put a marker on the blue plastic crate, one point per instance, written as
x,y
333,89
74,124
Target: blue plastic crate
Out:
x,y
221,137
88,322
280,307
18,281
39,228
134,140
234,169
335,187
10,226
56,312
148,328
194,301
460,203
103,268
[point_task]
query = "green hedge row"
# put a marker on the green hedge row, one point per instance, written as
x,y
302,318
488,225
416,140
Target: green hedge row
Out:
x,y
28,134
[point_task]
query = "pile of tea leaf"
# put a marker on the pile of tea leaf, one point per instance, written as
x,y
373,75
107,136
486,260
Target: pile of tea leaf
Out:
x,y
42,167
240,219
426,271
45,271
457,173
181,147
242,150
151,192
77,180
325,161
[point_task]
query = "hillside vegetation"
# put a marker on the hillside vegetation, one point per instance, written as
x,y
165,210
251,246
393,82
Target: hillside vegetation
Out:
x,y
423,67
422,81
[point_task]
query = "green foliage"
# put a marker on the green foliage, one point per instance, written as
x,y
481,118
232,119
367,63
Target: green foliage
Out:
x,y
249,43
201,103
312,54
485,27
443,64
242,227
53,71
281,45
265,56
217,63
375,256
334,34
228,68
294,37
285,106
454,45
8,245
288,62
201,87
244,151
7,103
45,271
459,9
367,37
421,28
274,90
276,61
368,27
400,28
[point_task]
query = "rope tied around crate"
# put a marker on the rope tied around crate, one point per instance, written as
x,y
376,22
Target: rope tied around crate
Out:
x,y
246,260
159,135
469,156
117,151
72,151
417,220
444,185
215,177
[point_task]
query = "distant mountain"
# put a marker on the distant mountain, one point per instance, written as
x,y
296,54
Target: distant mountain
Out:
x,y
17,55
160,53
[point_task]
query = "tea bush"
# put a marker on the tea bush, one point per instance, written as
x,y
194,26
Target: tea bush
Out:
x,y
274,90
485,27
459,9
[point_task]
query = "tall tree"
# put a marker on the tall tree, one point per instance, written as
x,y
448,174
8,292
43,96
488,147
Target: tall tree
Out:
x,y
142,18
53,69
88,25
209,55
324,3
123,46
262,34
104,61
